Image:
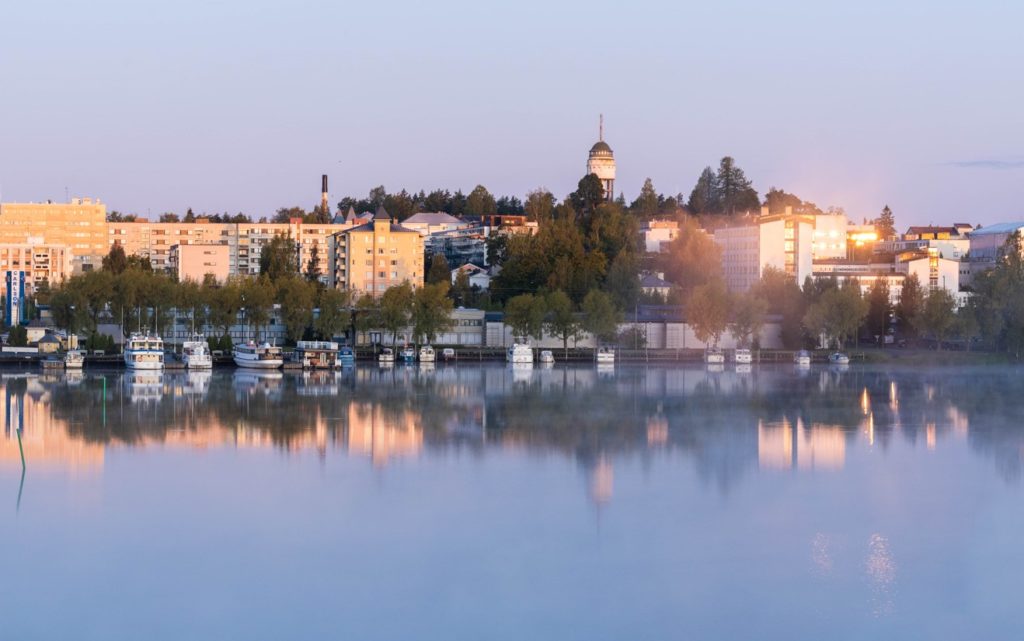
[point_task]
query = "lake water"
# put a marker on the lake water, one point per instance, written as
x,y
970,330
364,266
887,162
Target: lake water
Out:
x,y
489,503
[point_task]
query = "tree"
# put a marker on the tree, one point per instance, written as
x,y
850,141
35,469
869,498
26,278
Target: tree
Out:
x,y
396,309
524,314
278,257
837,314
967,326
431,311
257,296
439,271
284,215
600,317
561,320
509,206
189,216
312,272
647,204
367,315
17,336
692,259
480,202
705,197
776,200
70,309
938,314
707,311
169,217
540,205
735,192
115,261
334,315
225,303
623,280
461,290
885,224
782,295
910,305
296,297
747,318
879,308
588,195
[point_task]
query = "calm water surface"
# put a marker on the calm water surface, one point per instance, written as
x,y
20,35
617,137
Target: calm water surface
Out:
x,y
489,503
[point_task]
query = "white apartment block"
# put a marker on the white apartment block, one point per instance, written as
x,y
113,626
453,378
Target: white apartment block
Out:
x,y
784,242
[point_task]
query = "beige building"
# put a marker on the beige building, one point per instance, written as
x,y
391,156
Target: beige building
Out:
x,y
50,264
80,226
196,262
372,257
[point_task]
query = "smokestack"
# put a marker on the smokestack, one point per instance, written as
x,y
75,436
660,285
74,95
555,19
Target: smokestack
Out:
x,y
323,194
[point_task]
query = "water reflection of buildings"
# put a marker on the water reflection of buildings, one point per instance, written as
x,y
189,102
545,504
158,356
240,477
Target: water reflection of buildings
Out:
x,y
382,434
781,445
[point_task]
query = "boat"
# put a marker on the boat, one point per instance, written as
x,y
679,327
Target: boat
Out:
x,y
74,359
195,353
317,354
387,356
519,353
547,357
427,354
803,357
144,352
346,356
838,358
408,355
714,356
254,356
605,356
52,362
448,353
742,355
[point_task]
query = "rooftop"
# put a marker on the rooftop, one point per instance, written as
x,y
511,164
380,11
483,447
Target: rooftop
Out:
x,y
998,228
432,218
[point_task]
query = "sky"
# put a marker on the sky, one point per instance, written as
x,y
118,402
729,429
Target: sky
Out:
x,y
238,105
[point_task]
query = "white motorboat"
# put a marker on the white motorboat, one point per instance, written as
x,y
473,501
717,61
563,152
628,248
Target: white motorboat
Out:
x,y
317,354
448,353
546,356
74,359
408,355
714,356
838,358
195,353
605,356
427,354
255,356
802,358
519,353
742,356
387,356
143,351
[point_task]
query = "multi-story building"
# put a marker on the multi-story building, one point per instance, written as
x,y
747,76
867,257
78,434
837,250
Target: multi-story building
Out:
x,y
197,262
372,257
427,223
49,264
782,241
655,234
830,234
79,225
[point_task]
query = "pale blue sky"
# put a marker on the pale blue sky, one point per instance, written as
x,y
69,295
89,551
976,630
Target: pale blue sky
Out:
x,y
240,106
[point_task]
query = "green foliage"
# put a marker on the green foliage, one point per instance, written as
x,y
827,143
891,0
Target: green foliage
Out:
x,y
588,195
705,197
748,318
116,261
367,314
524,314
278,258
396,309
257,298
879,307
334,317
776,200
938,314
910,306
783,296
623,280
439,271
540,205
312,272
632,337
692,259
837,314
431,311
17,336
103,342
707,311
296,297
600,317
561,320
480,202
647,204
726,192
885,224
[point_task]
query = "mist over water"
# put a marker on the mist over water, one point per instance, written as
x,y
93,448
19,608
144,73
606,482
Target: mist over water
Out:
x,y
498,503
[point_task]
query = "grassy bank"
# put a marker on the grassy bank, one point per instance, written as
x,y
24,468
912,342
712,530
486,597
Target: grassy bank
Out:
x,y
927,357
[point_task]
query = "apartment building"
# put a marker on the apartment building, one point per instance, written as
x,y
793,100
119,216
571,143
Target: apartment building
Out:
x,y
782,241
79,225
197,262
372,257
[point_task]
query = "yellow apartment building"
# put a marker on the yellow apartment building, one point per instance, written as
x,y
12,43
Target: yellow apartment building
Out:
x,y
196,262
79,225
372,257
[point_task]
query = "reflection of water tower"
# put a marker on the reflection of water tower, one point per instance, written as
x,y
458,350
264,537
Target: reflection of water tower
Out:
x,y
14,407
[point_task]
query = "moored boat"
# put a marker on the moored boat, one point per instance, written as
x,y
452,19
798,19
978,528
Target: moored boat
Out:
x,y
803,358
317,354
346,356
387,356
838,358
408,355
427,354
448,353
605,356
519,353
546,356
74,359
714,356
195,353
143,351
742,356
254,356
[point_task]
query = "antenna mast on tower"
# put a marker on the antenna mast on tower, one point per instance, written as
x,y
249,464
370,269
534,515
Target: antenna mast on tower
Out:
x,y
600,127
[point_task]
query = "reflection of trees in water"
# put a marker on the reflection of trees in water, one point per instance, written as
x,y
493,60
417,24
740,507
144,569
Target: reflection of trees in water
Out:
x,y
577,412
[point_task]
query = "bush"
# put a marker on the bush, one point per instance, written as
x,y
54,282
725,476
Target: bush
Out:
x,y
18,336
632,338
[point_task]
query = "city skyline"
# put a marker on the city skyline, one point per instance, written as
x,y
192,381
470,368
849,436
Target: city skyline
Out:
x,y
241,107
